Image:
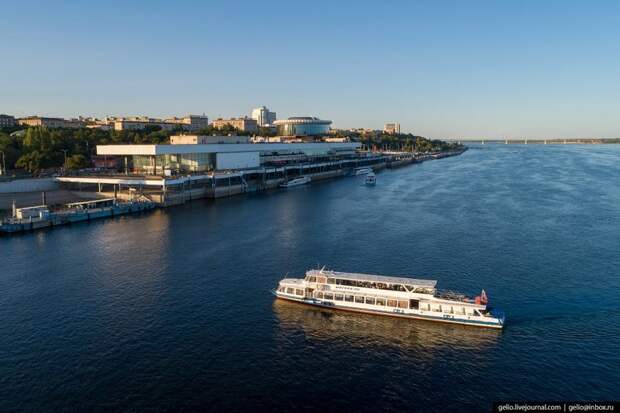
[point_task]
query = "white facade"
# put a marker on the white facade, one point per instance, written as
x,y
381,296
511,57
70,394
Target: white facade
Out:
x,y
237,160
391,128
121,150
263,116
207,139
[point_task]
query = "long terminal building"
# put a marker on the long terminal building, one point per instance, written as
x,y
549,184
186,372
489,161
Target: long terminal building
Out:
x,y
207,166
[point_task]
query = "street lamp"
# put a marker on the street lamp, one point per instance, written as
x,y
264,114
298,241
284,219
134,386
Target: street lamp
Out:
x,y
65,164
3,169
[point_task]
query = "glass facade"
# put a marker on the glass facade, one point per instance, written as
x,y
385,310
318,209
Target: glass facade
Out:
x,y
302,129
157,165
302,126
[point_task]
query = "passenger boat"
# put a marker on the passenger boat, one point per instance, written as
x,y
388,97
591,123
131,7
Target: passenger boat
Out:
x,y
392,296
302,180
362,170
371,179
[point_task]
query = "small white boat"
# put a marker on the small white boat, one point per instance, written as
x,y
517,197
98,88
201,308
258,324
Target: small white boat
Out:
x,y
371,179
302,180
362,170
390,296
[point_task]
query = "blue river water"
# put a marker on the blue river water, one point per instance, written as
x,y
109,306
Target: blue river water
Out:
x,y
172,310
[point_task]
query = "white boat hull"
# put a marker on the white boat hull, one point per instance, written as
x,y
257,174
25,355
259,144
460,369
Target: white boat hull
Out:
x,y
296,182
402,313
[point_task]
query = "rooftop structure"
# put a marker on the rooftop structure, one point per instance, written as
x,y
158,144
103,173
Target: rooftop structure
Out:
x,y
302,126
206,139
430,284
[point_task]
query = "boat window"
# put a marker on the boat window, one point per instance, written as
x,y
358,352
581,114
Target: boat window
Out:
x,y
299,292
359,299
392,303
321,280
319,294
331,281
370,300
329,296
415,304
403,304
281,289
339,297
380,301
290,290
312,279
348,298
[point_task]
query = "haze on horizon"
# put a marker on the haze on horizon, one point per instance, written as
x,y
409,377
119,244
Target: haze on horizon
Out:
x,y
445,69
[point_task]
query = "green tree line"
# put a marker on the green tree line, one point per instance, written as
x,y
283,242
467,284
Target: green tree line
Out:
x,y
400,142
37,148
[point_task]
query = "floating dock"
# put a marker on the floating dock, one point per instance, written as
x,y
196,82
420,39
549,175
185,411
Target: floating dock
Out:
x,y
38,217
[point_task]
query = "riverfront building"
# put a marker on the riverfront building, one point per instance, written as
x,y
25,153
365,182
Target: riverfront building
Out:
x,y
263,116
182,158
7,121
244,124
302,126
48,122
190,123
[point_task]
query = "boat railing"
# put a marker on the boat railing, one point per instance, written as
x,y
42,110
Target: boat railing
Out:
x,y
452,295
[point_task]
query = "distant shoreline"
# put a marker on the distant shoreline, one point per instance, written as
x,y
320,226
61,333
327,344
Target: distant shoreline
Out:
x,y
541,141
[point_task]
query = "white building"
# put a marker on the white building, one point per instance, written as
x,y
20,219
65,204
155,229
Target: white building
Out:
x,y
197,157
263,116
392,128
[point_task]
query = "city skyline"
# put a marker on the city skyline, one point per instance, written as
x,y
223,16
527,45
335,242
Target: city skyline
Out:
x,y
442,70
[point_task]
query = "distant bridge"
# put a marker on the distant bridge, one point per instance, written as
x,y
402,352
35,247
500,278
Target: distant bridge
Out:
x,y
525,141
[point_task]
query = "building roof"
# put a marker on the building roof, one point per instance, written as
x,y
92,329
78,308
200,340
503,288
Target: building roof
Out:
x,y
375,278
302,119
216,147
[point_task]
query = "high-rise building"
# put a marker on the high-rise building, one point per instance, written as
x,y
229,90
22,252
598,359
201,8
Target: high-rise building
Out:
x,y
263,116
392,128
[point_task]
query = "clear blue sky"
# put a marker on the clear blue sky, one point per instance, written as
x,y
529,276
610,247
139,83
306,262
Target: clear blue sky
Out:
x,y
440,68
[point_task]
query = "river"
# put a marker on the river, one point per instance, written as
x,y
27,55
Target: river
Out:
x,y
172,310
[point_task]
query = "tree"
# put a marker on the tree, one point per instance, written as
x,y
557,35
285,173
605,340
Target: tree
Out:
x,y
76,162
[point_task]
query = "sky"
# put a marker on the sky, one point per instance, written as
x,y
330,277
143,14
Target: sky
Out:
x,y
443,69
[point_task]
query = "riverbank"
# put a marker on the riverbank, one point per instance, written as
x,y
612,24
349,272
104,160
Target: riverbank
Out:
x,y
179,191
168,191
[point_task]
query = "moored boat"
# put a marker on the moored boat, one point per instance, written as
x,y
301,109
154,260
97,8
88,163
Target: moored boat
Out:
x,y
392,296
362,170
371,179
302,180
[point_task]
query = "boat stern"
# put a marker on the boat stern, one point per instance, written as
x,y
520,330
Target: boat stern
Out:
x,y
499,315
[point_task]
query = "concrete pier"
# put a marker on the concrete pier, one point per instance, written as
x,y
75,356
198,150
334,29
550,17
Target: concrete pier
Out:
x,y
168,191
